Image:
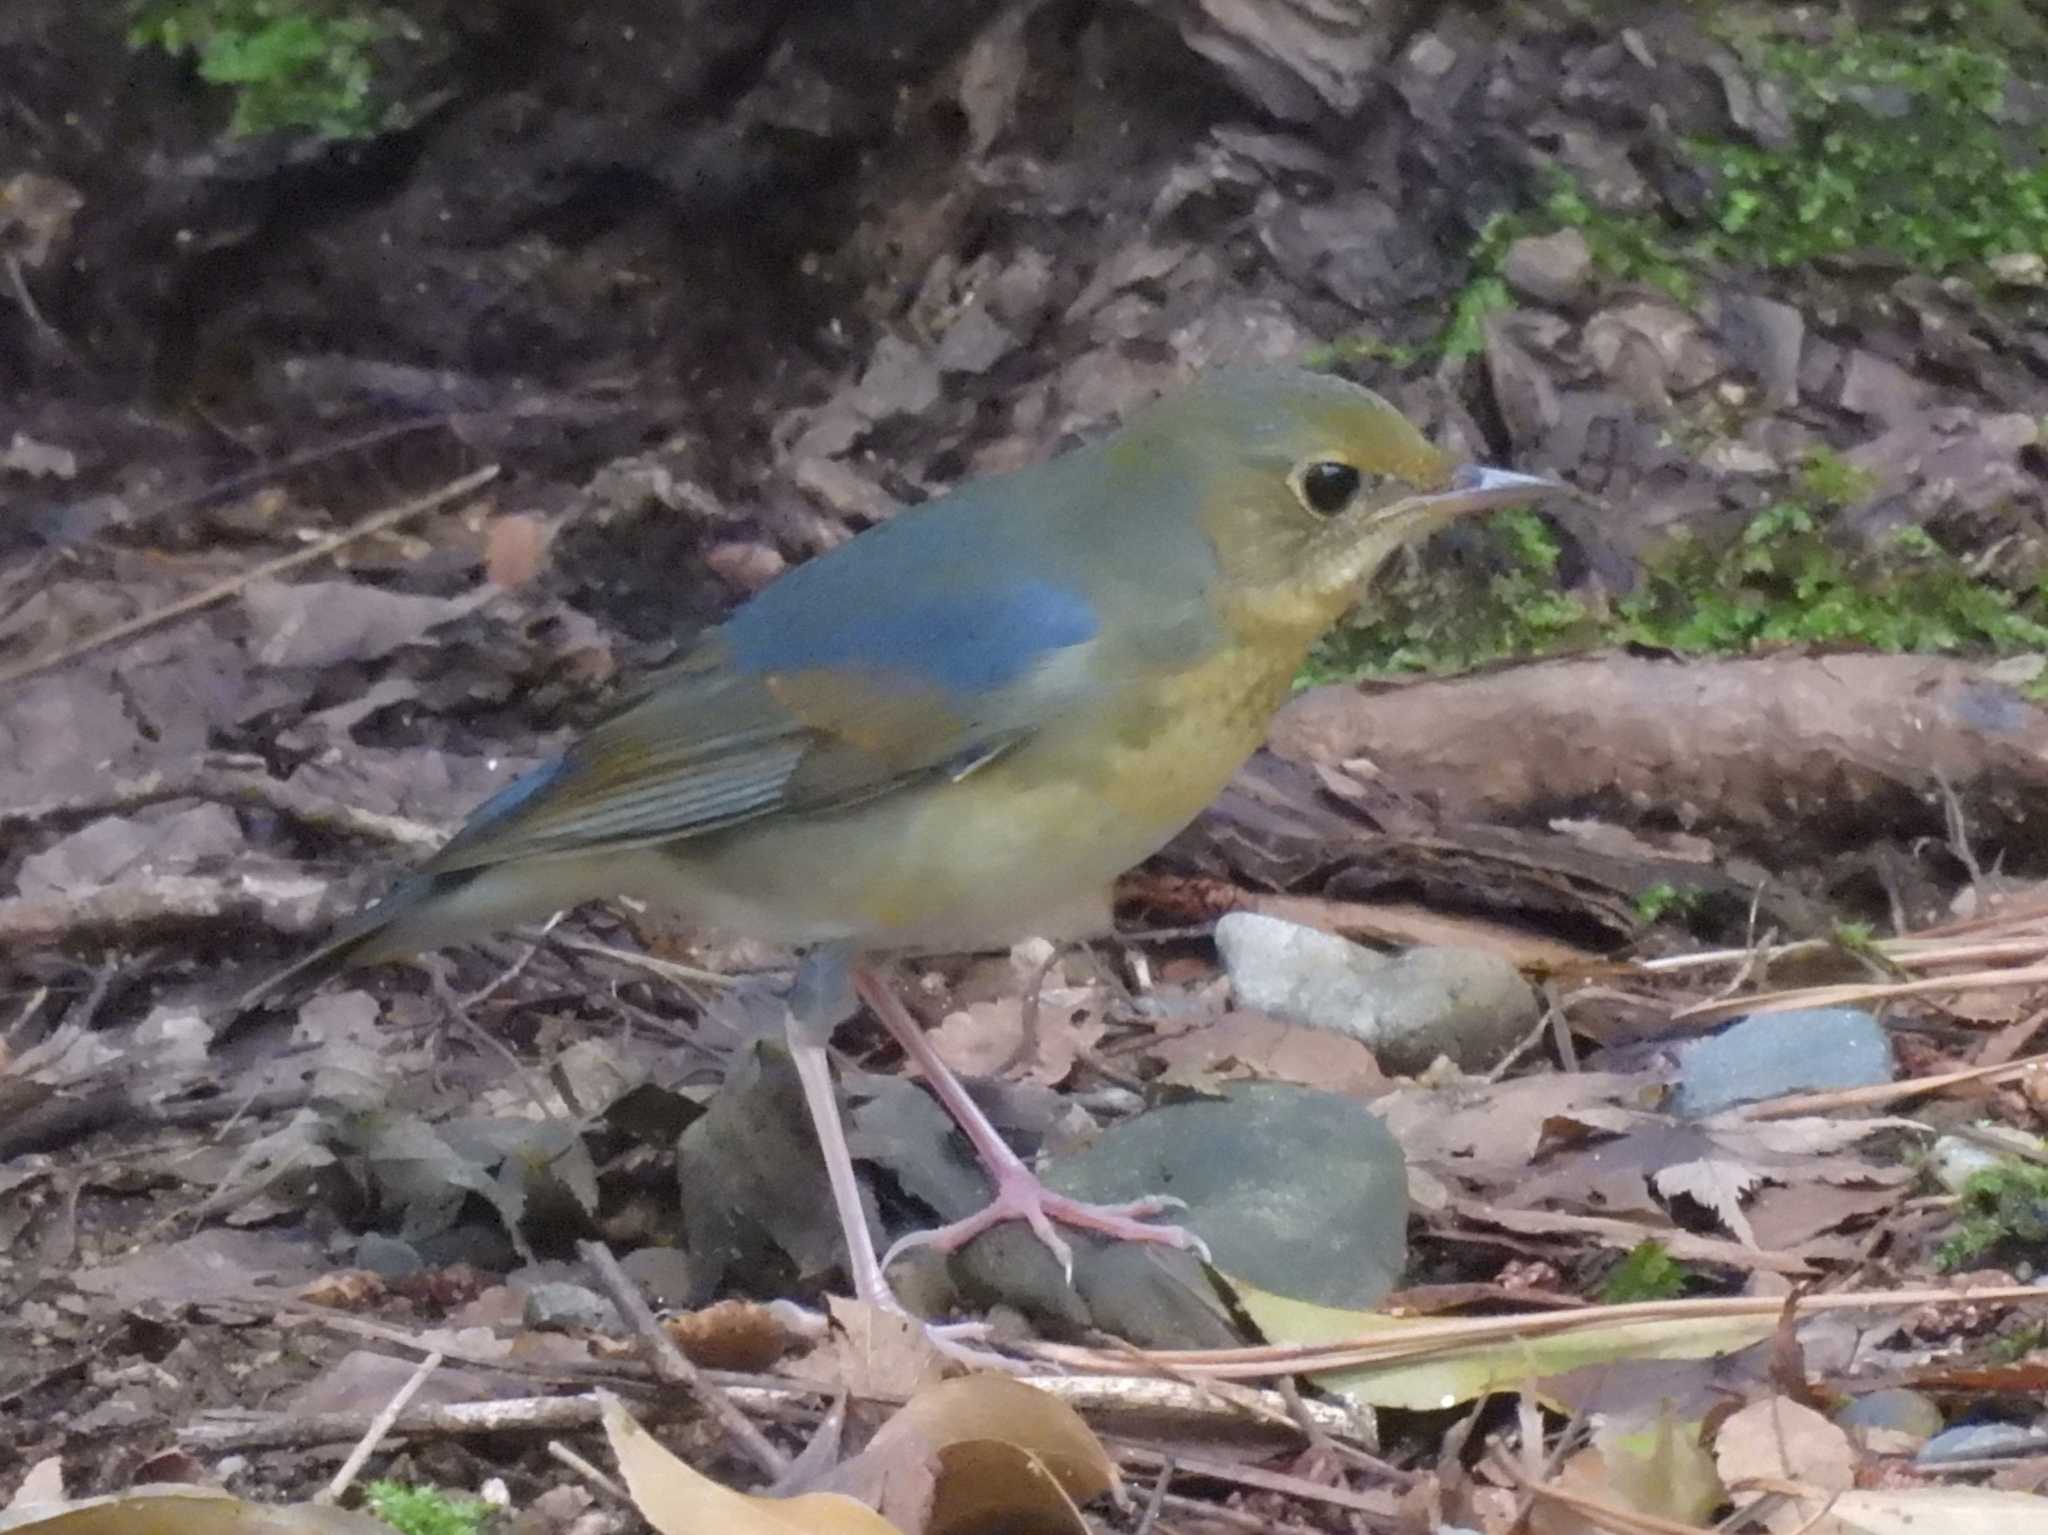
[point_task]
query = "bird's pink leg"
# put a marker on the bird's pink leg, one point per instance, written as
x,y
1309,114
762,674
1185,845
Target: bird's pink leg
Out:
x,y
814,1071
1019,1194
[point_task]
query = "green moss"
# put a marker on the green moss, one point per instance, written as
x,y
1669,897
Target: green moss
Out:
x,y
425,1510
1667,900
1628,248
1648,1272
1900,145
1783,581
2001,1210
293,65
1430,621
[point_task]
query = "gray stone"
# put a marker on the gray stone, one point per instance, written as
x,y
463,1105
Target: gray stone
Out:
x,y
1468,1004
975,342
1767,338
1876,387
1814,1049
1894,1408
1982,1441
387,1256
1296,1191
557,1306
1552,269
662,1273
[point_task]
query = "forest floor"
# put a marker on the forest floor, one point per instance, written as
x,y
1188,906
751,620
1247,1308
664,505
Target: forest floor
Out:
x,y
346,477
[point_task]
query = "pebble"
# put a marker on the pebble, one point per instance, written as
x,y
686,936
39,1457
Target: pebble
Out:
x,y
1956,1159
1468,1004
1766,1055
1982,1441
557,1306
1894,1408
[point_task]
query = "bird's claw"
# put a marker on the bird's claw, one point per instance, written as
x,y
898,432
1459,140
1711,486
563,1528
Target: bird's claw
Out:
x,y
1021,1197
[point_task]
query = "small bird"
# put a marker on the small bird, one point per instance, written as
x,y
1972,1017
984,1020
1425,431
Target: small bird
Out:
x,y
955,729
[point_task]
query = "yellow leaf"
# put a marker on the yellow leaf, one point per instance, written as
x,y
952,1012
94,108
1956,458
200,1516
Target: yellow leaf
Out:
x,y
1661,1468
977,1453
1457,1374
678,1500
169,1508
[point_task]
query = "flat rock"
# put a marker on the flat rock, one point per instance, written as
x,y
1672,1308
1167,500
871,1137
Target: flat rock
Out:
x,y
1812,1049
1468,1004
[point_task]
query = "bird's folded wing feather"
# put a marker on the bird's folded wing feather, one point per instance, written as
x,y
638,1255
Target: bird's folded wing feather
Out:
x,y
755,722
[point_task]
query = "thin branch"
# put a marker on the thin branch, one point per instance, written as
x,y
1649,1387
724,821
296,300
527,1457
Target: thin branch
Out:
x,y
220,591
674,1366
380,1426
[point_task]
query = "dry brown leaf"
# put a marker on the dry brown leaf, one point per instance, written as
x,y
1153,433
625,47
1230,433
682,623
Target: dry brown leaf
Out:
x,y
173,1509
872,1353
1939,1511
730,1335
515,549
1240,1046
1715,1182
1778,1438
1793,1218
1658,1468
982,1452
678,1500
987,1039
1507,1123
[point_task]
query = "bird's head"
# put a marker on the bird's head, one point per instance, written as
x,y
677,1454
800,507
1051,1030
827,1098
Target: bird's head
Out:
x,y
1304,484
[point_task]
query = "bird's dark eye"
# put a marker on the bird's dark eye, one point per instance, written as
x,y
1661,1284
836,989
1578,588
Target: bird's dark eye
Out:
x,y
1328,486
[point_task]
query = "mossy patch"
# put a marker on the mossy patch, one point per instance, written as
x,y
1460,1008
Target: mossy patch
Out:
x,y
305,66
2002,1213
1785,580
1903,142
425,1510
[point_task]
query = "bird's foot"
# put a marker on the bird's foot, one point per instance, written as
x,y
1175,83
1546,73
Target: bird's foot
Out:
x,y
1020,1196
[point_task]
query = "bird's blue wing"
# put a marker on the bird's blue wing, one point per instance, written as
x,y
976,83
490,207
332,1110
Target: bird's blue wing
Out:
x,y
802,704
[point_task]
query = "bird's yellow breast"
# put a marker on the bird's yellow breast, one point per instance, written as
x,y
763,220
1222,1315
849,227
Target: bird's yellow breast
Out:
x,y
1003,852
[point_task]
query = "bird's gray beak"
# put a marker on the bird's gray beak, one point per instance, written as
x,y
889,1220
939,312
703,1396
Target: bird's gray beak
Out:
x,y
1474,488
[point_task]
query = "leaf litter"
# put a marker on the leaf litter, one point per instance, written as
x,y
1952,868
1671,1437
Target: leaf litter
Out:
x,y
402,1168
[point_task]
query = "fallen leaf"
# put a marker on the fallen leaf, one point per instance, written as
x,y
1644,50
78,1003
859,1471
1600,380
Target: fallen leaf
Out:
x,y
173,1509
982,1452
1460,1374
872,1353
1940,1511
515,549
1778,1438
1661,1468
731,1335
1242,1045
679,1500
1718,1184
989,1039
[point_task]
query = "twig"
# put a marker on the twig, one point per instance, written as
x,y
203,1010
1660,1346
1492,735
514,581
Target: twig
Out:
x,y
1441,1339
379,1427
231,786
27,301
533,1414
1150,1516
1383,1509
1798,1104
220,591
663,969
1236,1518
673,1366
1863,991
284,902
587,1471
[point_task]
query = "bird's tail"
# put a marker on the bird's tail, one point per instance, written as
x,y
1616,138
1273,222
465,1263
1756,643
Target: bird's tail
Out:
x,y
377,932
